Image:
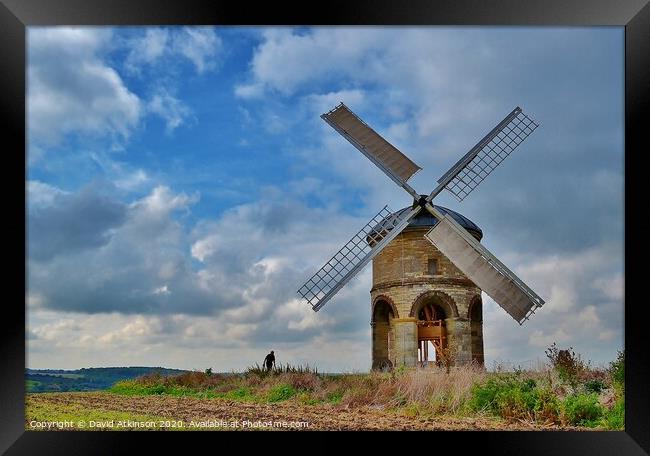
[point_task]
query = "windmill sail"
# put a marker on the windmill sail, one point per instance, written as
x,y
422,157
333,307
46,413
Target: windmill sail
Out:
x,y
353,256
382,153
484,269
487,154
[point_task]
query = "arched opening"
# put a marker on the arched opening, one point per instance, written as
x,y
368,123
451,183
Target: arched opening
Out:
x,y
475,315
432,310
382,316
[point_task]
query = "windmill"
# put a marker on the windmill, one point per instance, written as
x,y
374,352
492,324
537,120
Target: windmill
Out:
x,y
447,235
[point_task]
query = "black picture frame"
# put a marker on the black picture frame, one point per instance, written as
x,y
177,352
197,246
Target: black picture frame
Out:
x,y
634,15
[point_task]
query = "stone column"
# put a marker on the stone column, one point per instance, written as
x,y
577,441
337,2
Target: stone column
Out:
x,y
461,339
477,342
405,342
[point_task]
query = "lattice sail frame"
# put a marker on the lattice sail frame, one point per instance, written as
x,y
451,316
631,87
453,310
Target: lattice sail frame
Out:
x,y
350,257
485,156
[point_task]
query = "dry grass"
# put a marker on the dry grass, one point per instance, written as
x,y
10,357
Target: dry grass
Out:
x,y
436,390
433,388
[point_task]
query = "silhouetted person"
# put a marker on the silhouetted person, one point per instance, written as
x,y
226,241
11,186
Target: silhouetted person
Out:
x,y
269,361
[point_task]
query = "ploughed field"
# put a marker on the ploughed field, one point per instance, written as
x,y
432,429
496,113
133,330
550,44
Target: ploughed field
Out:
x,y
111,411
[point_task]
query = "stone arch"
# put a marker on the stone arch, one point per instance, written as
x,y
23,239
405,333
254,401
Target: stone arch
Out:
x,y
387,300
383,312
475,309
446,302
475,317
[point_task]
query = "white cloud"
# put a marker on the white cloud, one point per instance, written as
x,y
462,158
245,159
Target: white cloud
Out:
x,y
111,339
200,45
70,88
172,110
612,287
163,201
249,91
162,290
73,88
40,194
147,49
132,180
243,295
34,300
320,103
577,314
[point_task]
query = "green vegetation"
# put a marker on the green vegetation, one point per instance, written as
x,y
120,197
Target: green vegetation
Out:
x,y
617,370
614,419
569,393
93,379
583,409
595,386
281,393
512,396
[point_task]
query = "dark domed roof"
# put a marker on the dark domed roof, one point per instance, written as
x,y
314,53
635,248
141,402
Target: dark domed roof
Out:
x,y
424,219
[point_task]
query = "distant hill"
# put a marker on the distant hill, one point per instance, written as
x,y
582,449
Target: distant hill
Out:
x,y
86,379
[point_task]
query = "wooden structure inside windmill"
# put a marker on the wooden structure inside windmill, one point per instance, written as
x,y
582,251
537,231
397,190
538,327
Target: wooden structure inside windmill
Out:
x,y
431,332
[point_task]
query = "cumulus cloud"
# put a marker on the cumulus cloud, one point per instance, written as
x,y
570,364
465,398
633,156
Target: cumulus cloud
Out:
x,y
434,92
74,87
70,88
252,260
40,194
583,309
71,222
111,339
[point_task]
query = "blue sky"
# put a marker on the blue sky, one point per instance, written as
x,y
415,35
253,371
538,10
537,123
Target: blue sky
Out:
x,y
181,185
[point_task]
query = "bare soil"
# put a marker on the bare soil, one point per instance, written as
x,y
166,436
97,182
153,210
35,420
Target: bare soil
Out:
x,y
318,417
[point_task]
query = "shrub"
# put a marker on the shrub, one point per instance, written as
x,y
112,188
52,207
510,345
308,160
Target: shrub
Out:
x,y
567,363
582,409
595,386
617,370
513,397
547,407
614,419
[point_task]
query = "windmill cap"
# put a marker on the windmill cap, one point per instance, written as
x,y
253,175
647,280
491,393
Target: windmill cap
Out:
x,y
425,219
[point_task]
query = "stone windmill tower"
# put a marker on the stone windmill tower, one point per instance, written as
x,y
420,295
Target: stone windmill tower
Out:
x,y
422,306
429,267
